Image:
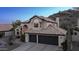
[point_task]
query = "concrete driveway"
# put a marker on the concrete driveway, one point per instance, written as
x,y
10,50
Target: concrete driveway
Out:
x,y
34,47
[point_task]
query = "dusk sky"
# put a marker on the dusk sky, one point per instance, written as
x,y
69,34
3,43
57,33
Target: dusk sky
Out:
x,y
10,14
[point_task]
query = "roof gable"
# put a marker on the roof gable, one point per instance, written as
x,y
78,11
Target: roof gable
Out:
x,y
41,18
50,30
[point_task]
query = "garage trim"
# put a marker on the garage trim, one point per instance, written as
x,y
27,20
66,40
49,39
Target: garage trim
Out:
x,y
37,39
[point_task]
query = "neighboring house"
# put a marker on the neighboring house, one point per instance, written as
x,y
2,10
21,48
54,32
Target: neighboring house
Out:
x,y
6,34
6,29
75,36
18,32
41,29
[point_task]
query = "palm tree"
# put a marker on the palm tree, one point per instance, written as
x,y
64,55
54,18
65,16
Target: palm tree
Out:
x,y
15,25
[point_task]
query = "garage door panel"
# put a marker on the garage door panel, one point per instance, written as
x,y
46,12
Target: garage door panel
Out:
x,y
52,40
32,38
48,40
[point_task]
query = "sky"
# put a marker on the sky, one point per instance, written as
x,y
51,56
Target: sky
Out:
x,y
11,14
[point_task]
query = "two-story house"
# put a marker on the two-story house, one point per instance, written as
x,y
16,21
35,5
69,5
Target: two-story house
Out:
x,y
40,29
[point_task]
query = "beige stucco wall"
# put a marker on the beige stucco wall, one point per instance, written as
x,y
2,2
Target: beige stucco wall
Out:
x,y
16,31
75,37
26,37
9,33
61,39
43,24
36,20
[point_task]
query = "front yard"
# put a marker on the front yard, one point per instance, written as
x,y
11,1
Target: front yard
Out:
x,y
8,47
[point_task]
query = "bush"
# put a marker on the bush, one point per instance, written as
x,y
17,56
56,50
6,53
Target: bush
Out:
x,y
64,45
10,40
23,37
10,43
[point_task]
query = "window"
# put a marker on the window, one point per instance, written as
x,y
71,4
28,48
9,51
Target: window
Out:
x,y
17,29
35,24
18,33
25,26
75,33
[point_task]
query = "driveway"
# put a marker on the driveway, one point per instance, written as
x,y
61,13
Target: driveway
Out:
x,y
34,47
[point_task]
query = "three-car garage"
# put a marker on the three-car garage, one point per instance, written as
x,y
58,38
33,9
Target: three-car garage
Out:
x,y
44,39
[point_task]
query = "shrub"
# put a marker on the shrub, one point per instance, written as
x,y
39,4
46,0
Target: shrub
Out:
x,y
23,37
1,34
10,40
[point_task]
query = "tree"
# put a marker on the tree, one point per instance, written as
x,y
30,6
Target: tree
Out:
x,y
16,23
69,37
76,8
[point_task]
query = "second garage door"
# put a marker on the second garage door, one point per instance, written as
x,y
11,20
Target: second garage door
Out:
x,y
52,40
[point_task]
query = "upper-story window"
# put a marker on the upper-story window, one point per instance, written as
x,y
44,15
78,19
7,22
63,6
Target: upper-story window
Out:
x,y
25,26
36,25
17,30
75,33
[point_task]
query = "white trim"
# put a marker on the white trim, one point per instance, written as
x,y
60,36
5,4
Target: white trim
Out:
x,y
37,39
27,37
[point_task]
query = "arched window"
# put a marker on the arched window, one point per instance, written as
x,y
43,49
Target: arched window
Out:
x,y
17,30
25,26
17,33
75,33
49,25
36,25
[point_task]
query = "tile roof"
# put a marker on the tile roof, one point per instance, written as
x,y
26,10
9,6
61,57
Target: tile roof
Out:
x,y
53,30
25,22
46,19
41,18
49,30
5,27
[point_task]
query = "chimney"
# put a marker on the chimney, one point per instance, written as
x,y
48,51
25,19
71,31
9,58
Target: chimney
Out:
x,y
57,21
